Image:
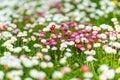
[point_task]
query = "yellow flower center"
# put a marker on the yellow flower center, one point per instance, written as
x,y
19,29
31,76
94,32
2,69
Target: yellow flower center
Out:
x,y
115,2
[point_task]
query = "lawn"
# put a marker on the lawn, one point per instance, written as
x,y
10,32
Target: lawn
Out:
x,y
59,40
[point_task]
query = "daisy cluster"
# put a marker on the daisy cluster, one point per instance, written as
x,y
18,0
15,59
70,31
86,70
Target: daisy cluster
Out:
x,y
52,10
55,40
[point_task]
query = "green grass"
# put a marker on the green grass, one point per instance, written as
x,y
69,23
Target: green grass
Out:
x,y
77,56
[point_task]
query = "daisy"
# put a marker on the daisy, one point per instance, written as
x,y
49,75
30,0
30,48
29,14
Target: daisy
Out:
x,y
57,75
